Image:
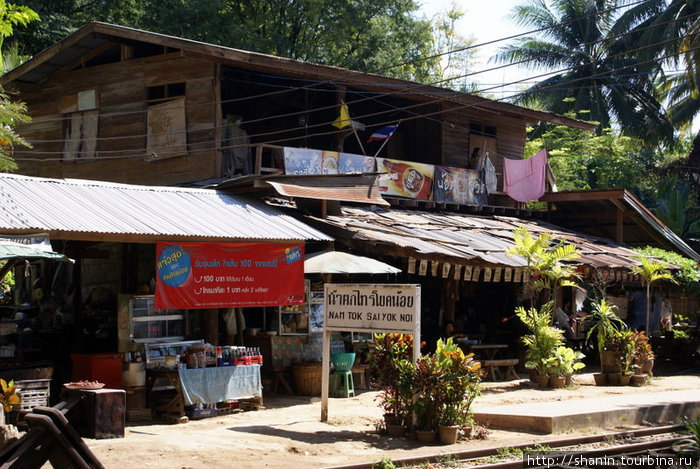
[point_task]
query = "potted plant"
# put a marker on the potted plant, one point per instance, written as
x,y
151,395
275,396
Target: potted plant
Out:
x,y
428,381
460,385
562,365
391,365
604,323
8,399
542,341
643,355
621,343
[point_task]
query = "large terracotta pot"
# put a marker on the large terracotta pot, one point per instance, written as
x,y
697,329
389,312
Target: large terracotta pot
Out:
x,y
542,380
609,362
600,379
647,366
625,380
557,381
613,379
638,379
448,434
395,430
426,436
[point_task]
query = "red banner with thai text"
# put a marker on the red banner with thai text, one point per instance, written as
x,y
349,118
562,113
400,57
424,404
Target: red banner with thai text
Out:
x,y
224,275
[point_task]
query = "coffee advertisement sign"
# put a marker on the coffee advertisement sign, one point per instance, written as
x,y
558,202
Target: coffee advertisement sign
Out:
x,y
405,179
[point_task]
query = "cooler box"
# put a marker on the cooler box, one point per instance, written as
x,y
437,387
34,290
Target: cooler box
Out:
x,y
103,367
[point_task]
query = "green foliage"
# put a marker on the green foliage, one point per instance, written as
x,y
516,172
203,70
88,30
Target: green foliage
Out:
x,y
460,376
604,323
390,362
385,463
582,159
363,36
7,283
690,444
543,339
622,344
688,276
564,361
12,15
579,38
546,261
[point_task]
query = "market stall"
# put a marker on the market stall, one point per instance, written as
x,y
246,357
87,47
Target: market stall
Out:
x,y
26,324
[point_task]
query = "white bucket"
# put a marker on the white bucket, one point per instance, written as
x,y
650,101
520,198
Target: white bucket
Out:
x,y
135,375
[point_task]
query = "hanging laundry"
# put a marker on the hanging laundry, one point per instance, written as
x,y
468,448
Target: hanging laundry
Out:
x,y
490,179
524,180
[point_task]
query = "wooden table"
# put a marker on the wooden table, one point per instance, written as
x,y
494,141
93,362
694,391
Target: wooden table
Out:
x,y
489,351
205,385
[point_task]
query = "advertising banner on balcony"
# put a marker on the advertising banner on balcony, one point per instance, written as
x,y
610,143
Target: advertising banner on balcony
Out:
x,y
300,161
405,179
351,163
459,186
330,162
224,275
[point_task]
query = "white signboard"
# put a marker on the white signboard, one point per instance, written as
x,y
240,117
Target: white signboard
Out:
x,y
372,307
368,308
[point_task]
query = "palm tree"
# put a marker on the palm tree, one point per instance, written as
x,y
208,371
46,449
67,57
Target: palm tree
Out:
x,y
650,270
597,78
546,262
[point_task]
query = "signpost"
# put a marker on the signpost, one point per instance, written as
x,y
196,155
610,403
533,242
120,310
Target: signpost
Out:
x,y
372,308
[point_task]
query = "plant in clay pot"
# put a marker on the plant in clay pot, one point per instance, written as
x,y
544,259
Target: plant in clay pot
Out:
x,y
542,341
643,355
563,363
622,345
390,362
460,384
603,324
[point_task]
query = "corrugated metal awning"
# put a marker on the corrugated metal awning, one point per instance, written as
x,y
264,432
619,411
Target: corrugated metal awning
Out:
x,y
351,193
461,238
82,209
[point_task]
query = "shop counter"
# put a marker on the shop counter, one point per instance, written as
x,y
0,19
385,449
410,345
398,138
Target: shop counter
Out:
x,y
202,385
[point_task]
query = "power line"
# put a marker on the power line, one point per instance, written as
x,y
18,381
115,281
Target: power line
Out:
x,y
452,109
448,93
311,85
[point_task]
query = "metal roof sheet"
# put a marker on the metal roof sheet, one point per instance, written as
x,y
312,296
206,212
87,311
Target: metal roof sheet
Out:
x,y
467,237
74,205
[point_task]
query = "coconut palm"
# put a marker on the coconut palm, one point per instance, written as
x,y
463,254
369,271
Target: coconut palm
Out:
x,y
650,270
598,78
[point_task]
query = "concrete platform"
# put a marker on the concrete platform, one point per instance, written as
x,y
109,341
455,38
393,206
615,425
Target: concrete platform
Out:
x,y
607,412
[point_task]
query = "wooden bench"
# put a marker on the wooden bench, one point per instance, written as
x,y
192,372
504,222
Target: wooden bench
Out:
x,y
493,368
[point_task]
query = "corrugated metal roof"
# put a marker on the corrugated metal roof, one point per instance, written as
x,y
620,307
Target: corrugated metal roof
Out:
x,y
73,205
467,238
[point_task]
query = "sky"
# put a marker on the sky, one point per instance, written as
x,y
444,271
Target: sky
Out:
x,y
484,21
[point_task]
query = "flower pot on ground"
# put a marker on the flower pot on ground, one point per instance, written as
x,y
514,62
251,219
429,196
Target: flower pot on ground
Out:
x,y
625,380
648,366
613,379
542,380
557,381
563,362
638,379
426,436
448,434
395,429
601,379
543,339
643,355
390,362
603,324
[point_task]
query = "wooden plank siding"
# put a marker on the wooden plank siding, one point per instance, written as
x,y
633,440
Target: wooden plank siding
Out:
x,y
121,100
510,137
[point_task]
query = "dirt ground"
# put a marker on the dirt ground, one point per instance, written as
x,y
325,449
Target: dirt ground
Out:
x,y
288,432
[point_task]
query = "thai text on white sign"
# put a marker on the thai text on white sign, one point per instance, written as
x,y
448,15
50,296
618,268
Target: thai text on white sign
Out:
x,y
372,307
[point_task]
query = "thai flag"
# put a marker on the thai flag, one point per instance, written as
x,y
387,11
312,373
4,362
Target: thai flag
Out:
x,y
384,133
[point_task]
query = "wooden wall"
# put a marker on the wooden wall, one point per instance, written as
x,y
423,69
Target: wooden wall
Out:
x,y
121,100
511,136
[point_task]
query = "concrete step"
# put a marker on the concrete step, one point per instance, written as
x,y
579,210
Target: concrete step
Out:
x,y
606,412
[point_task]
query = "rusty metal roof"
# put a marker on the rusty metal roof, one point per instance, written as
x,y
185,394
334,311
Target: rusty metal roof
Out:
x,y
93,36
82,209
463,238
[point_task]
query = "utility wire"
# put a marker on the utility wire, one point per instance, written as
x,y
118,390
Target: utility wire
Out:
x,y
448,93
353,73
452,109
